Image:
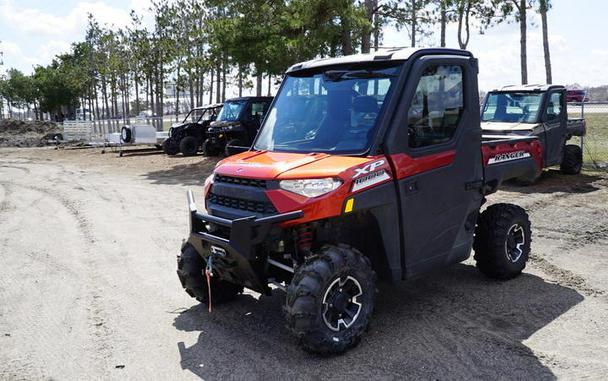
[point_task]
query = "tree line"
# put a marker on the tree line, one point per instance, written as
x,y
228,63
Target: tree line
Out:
x,y
205,46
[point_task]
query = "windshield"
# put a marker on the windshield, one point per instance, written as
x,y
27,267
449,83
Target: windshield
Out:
x,y
333,111
201,114
516,107
231,111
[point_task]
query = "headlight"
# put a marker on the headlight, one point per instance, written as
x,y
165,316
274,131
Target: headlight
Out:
x,y
311,187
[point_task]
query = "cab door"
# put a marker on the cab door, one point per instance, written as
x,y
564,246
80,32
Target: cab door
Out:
x,y
554,120
435,152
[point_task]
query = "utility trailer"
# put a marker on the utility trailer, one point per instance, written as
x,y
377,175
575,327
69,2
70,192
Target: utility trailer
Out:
x,y
366,168
136,134
541,111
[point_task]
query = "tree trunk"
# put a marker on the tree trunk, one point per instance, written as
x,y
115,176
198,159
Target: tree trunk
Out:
x,y
218,84
258,87
376,32
523,41
444,22
240,68
137,107
269,85
104,93
224,78
211,87
346,38
366,38
413,23
96,99
191,87
543,15
177,94
464,10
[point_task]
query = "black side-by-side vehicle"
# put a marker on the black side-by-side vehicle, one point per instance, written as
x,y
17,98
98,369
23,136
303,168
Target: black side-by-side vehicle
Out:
x,y
189,136
236,125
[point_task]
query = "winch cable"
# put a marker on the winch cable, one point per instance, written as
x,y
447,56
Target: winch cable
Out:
x,y
209,274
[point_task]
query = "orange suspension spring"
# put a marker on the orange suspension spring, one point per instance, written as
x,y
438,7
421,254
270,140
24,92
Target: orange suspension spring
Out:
x,y
304,237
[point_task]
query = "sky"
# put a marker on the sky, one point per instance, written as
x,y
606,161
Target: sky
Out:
x,y
33,32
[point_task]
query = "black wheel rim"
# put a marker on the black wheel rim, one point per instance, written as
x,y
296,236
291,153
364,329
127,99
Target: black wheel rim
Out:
x,y
341,304
516,239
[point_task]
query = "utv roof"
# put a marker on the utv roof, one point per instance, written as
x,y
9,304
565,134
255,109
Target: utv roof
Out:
x,y
205,107
524,88
248,98
393,54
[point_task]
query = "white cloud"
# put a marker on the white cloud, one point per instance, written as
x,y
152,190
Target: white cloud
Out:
x,y
36,22
34,36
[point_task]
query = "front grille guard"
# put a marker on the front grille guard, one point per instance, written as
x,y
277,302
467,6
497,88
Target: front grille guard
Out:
x,y
245,234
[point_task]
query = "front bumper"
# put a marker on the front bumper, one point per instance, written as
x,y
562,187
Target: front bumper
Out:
x,y
234,258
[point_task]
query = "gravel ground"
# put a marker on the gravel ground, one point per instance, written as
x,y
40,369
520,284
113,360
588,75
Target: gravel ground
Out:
x,y
88,288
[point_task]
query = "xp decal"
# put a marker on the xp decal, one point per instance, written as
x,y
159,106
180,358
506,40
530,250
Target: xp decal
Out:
x,y
368,168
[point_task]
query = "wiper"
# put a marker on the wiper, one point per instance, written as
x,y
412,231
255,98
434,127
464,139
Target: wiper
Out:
x,y
342,75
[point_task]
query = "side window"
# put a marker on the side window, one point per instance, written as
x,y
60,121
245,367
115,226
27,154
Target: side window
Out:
x,y
437,106
554,107
257,111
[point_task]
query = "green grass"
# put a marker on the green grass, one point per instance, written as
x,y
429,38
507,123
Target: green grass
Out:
x,y
596,141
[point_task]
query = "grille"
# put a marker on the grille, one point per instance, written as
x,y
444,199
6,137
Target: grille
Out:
x,y
240,181
241,204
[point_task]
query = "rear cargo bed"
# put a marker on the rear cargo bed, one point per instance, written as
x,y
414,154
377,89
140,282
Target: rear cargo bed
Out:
x,y
507,157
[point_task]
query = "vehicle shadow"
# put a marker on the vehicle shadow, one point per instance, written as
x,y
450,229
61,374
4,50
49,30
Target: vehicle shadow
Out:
x,y
553,181
184,174
138,151
456,324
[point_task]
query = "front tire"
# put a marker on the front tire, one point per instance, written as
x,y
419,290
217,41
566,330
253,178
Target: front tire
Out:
x,y
502,241
188,146
190,268
331,299
210,149
169,148
572,162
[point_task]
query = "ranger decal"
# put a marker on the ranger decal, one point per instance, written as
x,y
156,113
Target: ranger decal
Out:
x,y
370,179
502,157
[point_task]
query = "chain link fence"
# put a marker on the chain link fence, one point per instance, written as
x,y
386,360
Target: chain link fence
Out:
x,y
595,143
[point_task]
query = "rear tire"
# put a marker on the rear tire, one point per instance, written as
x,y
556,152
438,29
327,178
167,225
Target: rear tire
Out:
x,y
331,299
170,149
572,162
502,241
188,146
190,267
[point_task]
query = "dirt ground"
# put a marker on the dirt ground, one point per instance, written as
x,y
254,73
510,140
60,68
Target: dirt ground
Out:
x,y
88,288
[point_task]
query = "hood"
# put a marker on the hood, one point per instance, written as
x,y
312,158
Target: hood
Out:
x,y
221,124
282,165
502,126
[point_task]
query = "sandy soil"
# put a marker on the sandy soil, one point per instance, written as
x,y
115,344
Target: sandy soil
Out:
x,y
88,288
